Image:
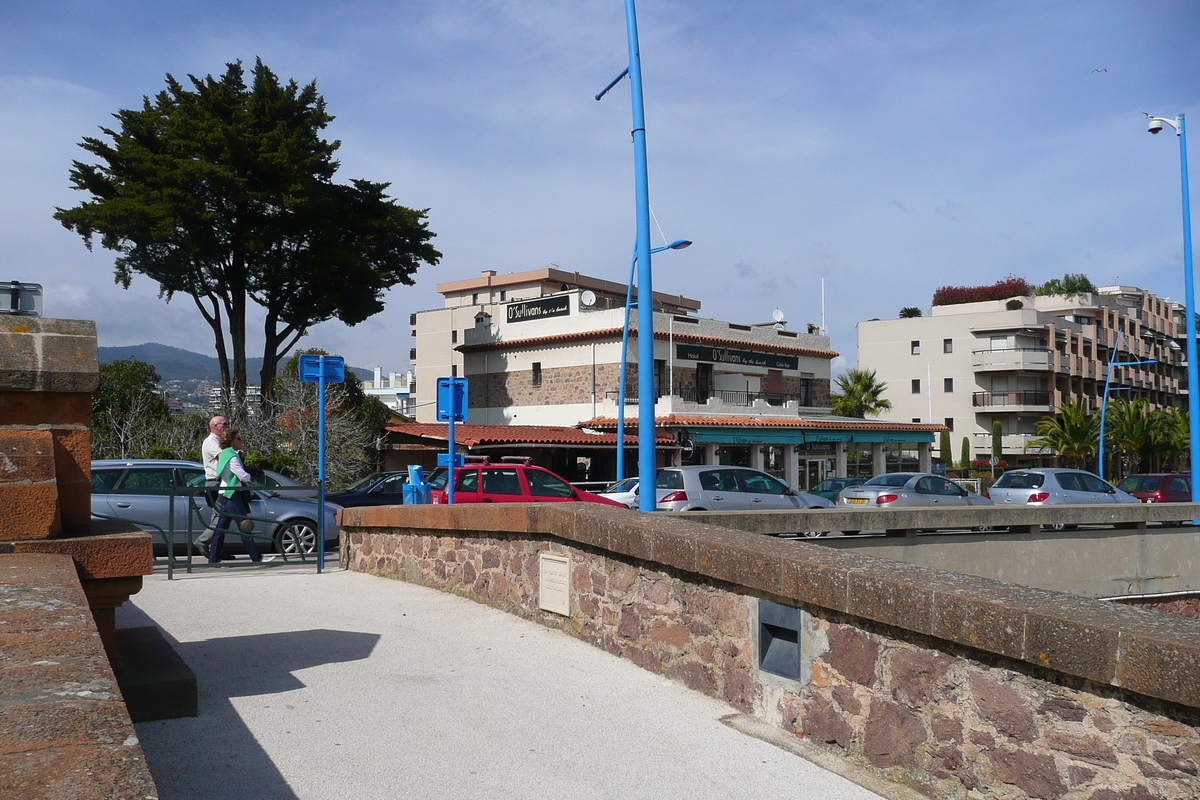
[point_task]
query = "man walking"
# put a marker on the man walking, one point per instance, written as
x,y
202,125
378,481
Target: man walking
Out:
x,y
210,451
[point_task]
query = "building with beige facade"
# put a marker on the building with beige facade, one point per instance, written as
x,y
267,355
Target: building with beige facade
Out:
x,y
543,347
1015,361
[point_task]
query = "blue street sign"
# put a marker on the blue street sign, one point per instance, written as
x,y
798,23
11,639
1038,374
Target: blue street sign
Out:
x,y
451,399
311,367
444,459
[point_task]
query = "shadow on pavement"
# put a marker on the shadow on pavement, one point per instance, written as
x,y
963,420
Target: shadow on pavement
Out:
x,y
215,755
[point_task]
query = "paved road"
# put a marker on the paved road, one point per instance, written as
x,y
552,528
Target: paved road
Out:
x,y
344,685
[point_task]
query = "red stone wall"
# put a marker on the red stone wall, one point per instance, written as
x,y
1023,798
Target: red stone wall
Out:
x,y
943,719
48,369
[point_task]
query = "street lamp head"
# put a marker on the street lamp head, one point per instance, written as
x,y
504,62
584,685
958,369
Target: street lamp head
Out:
x,y
679,245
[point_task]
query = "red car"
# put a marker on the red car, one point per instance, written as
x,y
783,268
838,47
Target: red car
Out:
x,y
1161,488
511,481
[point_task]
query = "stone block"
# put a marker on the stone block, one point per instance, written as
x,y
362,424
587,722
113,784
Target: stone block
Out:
x,y
30,511
894,594
72,453
45,408
26,456
69,363
102,556
745,559
19,362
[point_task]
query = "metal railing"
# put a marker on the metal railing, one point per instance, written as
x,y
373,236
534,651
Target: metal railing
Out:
x,y
1023,398
690,394
191,532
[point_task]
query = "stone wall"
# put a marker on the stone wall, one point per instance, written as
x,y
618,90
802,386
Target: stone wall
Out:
x,y
48,370
560,386
64,729
1021,693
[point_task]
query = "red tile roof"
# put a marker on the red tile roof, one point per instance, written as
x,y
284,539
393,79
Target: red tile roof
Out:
x,y
823,423
615,333
470,435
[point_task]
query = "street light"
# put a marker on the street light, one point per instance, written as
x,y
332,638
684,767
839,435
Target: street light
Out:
x,y
679,244
1154,125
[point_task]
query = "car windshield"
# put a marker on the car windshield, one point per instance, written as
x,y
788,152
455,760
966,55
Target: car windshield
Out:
x,y
1139,483
1020,480
894,479
669,479
365,482
437,479
626,485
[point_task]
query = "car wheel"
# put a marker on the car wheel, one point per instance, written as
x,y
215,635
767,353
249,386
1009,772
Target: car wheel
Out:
x,y
1059,526
298,536
813,534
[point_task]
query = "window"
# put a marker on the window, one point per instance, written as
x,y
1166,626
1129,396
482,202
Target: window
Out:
x,y
475,299
454,370
412,332
916,420
916,386
146,481
719,480
412,319
503,295
948,385
915,347
501,481
467,481
757,483
950,423
454,337
537,373
412,354
947,345
104,480
545,484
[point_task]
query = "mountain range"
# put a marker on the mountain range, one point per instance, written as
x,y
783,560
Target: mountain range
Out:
x,y
177,364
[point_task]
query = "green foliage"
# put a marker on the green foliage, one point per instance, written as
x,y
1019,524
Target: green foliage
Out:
x,y
225,192
127,411
944,449
964,460
1071,284
1142,438
860,393
1014,304
909,312
1073,434
997,438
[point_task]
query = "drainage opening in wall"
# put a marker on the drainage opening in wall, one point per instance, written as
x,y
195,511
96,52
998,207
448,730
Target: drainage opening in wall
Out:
x,y
779,639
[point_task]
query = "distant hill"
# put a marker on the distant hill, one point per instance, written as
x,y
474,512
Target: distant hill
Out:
x,y
177,364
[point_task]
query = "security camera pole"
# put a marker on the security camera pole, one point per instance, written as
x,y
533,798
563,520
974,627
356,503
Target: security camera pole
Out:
x,y
1155,125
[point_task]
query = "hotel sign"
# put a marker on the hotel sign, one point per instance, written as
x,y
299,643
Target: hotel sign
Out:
x,y
542,308
742,358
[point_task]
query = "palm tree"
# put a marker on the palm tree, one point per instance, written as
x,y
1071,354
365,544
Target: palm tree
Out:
x,y
860,393
1132,432
1073,435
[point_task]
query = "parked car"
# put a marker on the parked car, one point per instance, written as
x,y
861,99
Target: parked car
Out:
x,y
909,490
277,480
512,480
724,488
624,492
1055,486
1158,488
140,491
380,489
830,487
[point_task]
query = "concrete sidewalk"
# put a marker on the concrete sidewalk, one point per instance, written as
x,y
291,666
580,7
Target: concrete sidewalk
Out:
x,y
345,685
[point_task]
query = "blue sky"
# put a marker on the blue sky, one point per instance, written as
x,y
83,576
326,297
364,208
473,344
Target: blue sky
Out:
x,y
889,148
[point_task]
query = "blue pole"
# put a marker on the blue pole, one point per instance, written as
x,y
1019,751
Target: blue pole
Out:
x,y
1189,291
646,453
450,473
621,387
320,466
1104,403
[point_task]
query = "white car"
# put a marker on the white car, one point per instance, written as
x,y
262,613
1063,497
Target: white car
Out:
x,y
624,492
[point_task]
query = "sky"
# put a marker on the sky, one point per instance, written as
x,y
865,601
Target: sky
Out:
x,y
882,149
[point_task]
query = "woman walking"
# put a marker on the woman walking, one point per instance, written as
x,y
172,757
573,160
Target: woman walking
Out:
x,y
232,502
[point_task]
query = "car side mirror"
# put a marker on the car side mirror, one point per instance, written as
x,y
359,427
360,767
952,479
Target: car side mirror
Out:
x,y
789,492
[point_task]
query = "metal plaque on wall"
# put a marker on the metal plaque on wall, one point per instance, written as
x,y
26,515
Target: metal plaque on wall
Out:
x,y
554,583
555,306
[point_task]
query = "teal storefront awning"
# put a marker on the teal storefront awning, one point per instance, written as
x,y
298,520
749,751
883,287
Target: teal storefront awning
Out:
x,y
772,435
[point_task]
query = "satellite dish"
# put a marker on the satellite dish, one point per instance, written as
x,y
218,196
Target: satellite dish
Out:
x,y
587,298
777,315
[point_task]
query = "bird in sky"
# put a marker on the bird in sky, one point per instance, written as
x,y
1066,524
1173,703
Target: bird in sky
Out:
x,y
1102,69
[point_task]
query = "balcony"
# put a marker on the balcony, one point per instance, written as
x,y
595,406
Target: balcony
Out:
x,y
1032,359
687,400
1035,400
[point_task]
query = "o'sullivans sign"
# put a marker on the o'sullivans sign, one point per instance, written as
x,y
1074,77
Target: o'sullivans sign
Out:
x,y
555,306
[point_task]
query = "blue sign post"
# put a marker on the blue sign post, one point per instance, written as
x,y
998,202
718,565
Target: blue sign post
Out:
x,y
451,408
321,370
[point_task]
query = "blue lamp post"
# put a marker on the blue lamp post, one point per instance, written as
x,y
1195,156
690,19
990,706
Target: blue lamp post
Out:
x,y
646,452
1155,125
629,301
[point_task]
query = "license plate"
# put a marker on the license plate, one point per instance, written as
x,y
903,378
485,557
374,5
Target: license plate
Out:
x,y
856,499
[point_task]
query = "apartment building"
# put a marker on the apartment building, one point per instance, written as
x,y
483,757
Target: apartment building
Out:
x,y
543,347
1015,361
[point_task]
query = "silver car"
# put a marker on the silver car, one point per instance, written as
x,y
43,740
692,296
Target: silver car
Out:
x,y
140,491
724,488
909,490
1054,487
624,492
